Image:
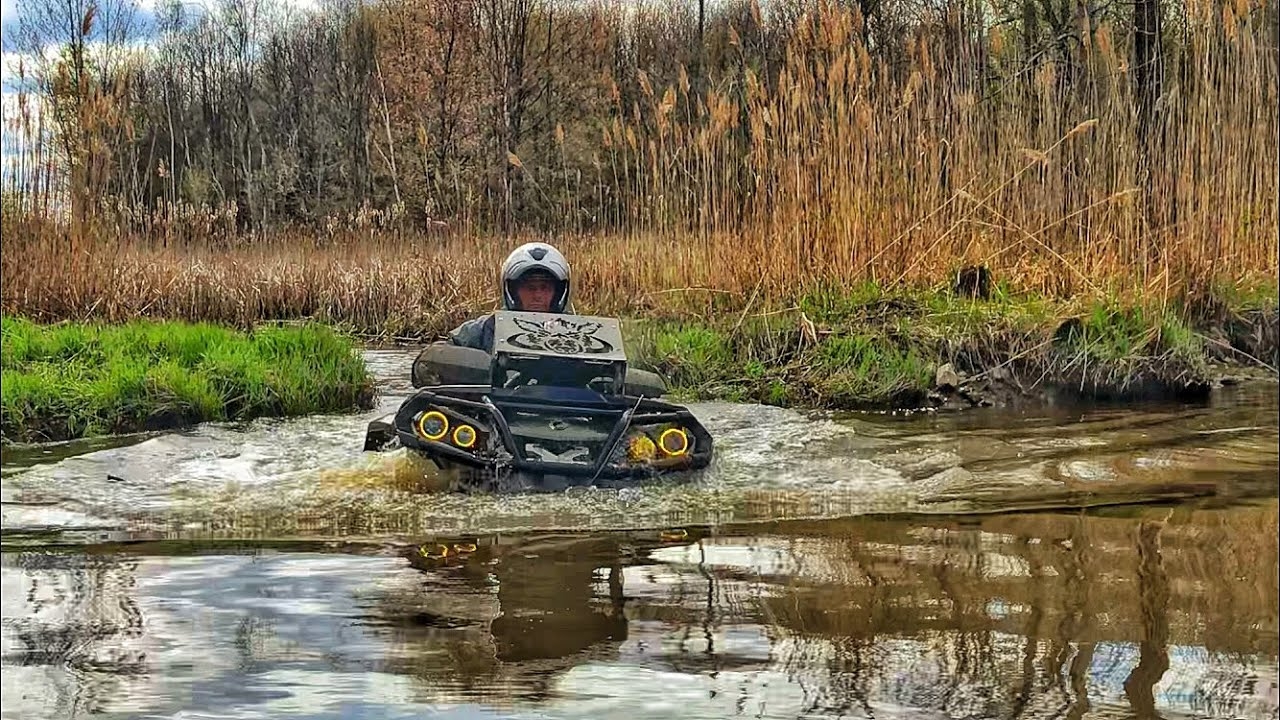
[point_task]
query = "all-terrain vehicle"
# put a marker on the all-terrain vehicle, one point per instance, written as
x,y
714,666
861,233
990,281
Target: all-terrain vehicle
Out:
x,y
553,405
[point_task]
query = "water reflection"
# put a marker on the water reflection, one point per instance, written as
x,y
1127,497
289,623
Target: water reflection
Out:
x,y
1154,612
1051,615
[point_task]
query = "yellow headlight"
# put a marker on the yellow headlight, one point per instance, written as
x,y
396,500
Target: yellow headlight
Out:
x,y
433,425
673,442
640,448
464,436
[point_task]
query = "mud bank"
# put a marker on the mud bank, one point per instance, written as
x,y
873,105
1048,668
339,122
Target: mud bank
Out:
x,y
944,353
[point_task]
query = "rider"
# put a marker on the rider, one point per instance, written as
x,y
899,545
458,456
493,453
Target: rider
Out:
x,y
535,278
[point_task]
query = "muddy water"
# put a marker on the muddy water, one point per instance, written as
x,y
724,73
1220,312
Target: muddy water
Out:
x,y
1075,562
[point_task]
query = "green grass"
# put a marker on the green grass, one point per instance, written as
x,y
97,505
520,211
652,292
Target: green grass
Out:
x,y
768,361
75,380
865,347
833,302
1264,295
866,368
1110,332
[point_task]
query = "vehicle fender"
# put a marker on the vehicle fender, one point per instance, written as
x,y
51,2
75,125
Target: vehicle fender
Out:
x,y
643,383
444,363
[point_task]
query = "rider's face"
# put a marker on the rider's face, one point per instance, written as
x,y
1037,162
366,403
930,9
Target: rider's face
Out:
x,y
535,293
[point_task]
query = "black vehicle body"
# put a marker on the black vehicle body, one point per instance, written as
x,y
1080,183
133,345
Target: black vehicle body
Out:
x,y
554,403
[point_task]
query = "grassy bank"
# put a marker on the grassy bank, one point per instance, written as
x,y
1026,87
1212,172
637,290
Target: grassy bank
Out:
x,y
704,312
73,380
387,286
869,349
731,175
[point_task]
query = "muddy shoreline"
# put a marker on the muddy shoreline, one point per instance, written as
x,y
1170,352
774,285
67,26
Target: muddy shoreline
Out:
x,y
1234,354
994,363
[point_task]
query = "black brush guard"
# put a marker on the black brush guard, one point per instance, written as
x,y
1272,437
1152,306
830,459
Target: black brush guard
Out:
x,y
487,410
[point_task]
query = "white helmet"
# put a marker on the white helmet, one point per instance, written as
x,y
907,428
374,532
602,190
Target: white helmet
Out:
x,y
535,256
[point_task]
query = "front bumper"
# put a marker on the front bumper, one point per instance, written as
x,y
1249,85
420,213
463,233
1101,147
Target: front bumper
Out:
x,y
505,449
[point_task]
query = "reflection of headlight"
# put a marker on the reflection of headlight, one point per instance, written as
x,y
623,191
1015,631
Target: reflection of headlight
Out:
x,y
433,425
464,436
673,442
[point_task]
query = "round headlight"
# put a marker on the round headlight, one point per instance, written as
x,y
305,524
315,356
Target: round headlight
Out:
x,y
673,441
640,448
464,436
433,425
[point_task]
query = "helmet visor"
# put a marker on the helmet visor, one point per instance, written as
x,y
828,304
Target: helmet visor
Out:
x,y
535,291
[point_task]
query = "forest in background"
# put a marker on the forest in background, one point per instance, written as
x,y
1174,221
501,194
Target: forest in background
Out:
x,y
778,197
1064,143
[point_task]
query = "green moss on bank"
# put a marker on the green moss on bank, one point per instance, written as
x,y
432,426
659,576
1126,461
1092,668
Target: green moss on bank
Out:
x,y
74,380
867,349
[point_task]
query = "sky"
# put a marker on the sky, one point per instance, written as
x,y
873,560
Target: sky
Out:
x,y
8,102
10,11
8,14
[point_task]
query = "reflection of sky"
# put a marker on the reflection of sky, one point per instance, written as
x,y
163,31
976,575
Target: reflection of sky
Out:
x,y
1189,684
327,636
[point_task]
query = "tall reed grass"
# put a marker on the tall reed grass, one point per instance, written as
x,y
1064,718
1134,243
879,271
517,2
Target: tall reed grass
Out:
x,y
836,169
844,168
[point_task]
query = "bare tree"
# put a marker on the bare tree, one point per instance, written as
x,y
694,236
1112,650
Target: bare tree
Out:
x,y
78,48
508,28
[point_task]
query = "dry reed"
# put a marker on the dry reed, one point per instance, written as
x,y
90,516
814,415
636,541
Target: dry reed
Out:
x,y
837,170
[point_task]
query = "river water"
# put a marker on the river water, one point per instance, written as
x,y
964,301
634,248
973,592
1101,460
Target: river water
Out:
x,y
1074,562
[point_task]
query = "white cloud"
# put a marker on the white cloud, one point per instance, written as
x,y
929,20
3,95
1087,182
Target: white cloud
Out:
x,y
10,63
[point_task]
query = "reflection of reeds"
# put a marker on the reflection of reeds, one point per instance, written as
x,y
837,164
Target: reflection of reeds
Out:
x,y
1221,567
1059,583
